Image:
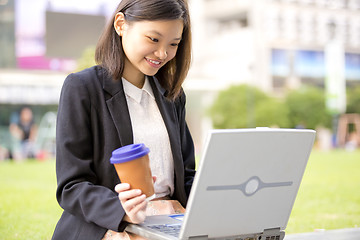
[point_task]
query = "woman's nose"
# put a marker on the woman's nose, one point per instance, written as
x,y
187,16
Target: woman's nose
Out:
x,y
161,53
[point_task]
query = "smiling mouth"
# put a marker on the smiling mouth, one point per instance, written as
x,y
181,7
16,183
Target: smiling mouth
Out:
x,y
153,63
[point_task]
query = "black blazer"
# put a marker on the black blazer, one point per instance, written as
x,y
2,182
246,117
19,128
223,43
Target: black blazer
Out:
x,y
93,120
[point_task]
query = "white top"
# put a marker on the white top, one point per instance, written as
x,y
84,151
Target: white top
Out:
x,y
149,128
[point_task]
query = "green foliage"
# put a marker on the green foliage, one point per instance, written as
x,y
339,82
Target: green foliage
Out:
x,y
244,106
272,112
353,100
87,59
307,107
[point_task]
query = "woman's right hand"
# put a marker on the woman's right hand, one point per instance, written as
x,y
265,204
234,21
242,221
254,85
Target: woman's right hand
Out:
x,y
133,202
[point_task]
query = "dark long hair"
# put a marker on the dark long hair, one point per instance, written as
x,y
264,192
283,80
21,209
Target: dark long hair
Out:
x,y
110,54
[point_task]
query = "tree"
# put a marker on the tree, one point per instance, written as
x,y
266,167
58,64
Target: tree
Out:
x,y
244,106
87,59
353,100
307,108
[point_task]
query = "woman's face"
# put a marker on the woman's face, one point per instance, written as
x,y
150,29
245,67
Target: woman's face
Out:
x,y
148,45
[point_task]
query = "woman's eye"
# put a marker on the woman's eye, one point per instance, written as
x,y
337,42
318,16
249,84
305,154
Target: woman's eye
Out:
x,y
174,44
154,39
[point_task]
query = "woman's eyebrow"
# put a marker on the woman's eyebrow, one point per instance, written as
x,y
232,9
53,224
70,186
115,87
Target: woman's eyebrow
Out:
x,y
159,34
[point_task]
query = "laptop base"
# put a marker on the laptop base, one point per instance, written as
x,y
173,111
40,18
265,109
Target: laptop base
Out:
x,y
268,234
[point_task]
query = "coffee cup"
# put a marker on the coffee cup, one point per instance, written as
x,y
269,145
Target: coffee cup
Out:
x,y
133,167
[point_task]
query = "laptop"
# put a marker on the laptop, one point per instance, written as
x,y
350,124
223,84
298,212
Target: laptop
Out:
x,y
244,188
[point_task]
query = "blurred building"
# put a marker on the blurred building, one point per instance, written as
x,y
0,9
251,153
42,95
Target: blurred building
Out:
x,y
275,45
64,39
7,34
24,87
40,44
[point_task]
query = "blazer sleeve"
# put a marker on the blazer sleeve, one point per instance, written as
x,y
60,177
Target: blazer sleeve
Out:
x,y
187,145
78,190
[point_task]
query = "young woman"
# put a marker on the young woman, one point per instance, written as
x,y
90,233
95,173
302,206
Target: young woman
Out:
x,y
134,95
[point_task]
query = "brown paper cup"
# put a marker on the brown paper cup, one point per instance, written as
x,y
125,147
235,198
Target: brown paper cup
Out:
x,y
132,166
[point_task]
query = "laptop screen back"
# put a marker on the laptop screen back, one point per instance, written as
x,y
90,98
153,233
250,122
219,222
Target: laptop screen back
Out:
x,y
247,181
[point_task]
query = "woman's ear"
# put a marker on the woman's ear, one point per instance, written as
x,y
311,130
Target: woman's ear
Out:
x,y
119,23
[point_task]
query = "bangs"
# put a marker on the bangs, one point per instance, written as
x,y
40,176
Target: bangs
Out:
x,y
156,10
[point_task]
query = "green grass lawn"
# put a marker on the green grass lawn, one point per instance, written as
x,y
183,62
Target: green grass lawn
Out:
x,y
28,207
329,196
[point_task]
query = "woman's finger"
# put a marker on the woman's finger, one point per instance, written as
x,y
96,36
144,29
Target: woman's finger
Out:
x,y
122,187
133,202
140,206
138,213
130,204
129,194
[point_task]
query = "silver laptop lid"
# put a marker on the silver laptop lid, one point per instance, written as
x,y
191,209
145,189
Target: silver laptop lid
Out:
x,y
247,181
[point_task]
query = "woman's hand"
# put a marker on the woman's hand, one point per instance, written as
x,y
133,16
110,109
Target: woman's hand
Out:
x,y
133,202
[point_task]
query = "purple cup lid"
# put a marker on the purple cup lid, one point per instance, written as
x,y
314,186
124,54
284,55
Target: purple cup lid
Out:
x,y
128,153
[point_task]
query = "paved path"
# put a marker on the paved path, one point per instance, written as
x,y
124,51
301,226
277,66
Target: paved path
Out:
x,y
340,234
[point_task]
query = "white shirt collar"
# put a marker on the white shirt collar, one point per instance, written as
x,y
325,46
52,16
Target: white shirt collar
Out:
x,y
136,93
147,87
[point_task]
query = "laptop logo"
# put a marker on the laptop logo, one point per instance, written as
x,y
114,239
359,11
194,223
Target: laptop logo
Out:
x,y
250,187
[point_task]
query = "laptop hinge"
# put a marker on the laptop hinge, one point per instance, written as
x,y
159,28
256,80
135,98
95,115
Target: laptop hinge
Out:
x,y
273,234
268,234
205,237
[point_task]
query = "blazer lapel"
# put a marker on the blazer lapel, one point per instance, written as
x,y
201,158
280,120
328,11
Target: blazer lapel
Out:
x,y
118,109
167,111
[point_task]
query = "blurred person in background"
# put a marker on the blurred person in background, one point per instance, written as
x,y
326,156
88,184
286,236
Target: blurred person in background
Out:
x,y
23,132
4,153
